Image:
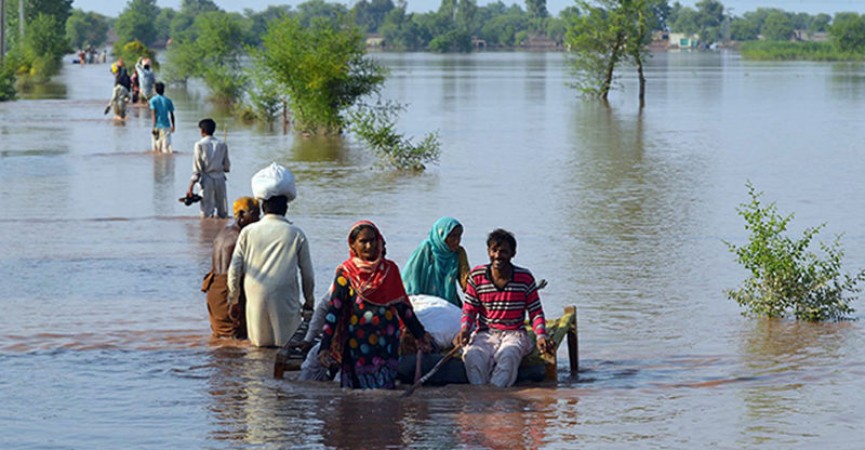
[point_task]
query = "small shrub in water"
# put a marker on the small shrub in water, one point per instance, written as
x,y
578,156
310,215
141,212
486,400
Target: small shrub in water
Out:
x,y
785,276
376,125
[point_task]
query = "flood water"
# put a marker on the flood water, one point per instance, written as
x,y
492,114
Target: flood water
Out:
x,y
104,337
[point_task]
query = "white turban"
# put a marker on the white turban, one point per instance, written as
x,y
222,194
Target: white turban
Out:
x,y
272,181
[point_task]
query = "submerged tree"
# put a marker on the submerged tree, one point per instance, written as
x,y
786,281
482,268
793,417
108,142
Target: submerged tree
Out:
x,y
86,28
136,22
211,49
608,34
321,67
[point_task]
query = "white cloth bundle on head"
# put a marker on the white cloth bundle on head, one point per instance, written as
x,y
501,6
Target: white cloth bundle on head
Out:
x,y
272,181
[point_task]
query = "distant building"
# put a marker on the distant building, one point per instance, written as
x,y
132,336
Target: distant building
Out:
x,y
374,40
684,41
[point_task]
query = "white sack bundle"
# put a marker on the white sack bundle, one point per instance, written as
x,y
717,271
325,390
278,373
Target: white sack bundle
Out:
x,y
439,317
272,181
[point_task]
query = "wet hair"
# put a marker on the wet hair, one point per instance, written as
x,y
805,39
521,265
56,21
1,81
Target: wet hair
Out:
x,y
499,236
208,126
278,204
160,87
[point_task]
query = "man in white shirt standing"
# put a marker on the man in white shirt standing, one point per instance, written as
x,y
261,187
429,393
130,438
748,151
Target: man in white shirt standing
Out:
x,y
209,165
267,257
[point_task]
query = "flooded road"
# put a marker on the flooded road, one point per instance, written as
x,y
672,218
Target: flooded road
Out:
x,y
104,337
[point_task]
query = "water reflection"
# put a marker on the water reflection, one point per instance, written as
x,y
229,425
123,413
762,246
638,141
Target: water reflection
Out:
x,y
315,149
43,91
503,422
164,191
789,356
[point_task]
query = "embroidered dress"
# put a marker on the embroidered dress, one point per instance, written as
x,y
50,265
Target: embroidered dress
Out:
x,y
370,345
362,324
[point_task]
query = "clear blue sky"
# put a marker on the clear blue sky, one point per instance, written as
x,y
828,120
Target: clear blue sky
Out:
x,y
738,7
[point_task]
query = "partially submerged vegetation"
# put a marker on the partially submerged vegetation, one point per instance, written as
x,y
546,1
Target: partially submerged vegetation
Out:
x,y
376,125
796,51
786,276
322,69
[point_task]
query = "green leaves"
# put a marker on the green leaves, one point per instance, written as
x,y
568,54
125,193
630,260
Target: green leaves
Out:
x,y
322,67
786,277
376,125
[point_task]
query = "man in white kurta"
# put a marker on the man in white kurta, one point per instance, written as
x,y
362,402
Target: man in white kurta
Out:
x,y
268,256
209,165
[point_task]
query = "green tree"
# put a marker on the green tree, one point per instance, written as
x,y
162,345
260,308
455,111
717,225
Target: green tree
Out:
x,y
323,69
819,23
502,29
685,20
785,275
163,24
742,29
711,18
848,32
182,21
611,32
538,14
706,20
369,15
136,22
312,9
211,50
778,26
38,56
7,81
259,20
60,10
401,31
86,28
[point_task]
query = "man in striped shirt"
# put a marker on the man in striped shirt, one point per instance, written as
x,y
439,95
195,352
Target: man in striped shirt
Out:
x,y
498,296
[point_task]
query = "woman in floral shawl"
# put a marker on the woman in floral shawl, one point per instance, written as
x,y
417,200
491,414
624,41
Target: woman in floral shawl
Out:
x,y
362,325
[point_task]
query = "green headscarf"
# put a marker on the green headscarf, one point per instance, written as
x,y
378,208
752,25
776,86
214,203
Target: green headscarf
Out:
x,y
432,267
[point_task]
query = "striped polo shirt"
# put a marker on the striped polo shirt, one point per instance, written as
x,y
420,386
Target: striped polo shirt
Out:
x,y
502,309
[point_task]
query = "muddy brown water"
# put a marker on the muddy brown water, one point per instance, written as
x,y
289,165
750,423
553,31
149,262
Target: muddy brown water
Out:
x,y
104,338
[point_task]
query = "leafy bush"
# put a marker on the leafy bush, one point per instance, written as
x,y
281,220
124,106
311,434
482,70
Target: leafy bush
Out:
x,y
211,49
38,57
785,276
796,51
7,82
376,125
321,67
131,51
265,98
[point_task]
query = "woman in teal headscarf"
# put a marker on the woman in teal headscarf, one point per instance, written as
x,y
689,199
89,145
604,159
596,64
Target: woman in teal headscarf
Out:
x,y
438,263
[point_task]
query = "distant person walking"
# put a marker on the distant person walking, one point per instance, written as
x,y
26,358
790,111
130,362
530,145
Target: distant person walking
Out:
x,y
210,163
162,109
119,97
146,79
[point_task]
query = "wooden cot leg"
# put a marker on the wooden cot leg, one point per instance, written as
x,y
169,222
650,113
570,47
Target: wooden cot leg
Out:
x,y
573,343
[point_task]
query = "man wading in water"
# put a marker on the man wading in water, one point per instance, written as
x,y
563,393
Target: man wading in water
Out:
x,y
227,319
